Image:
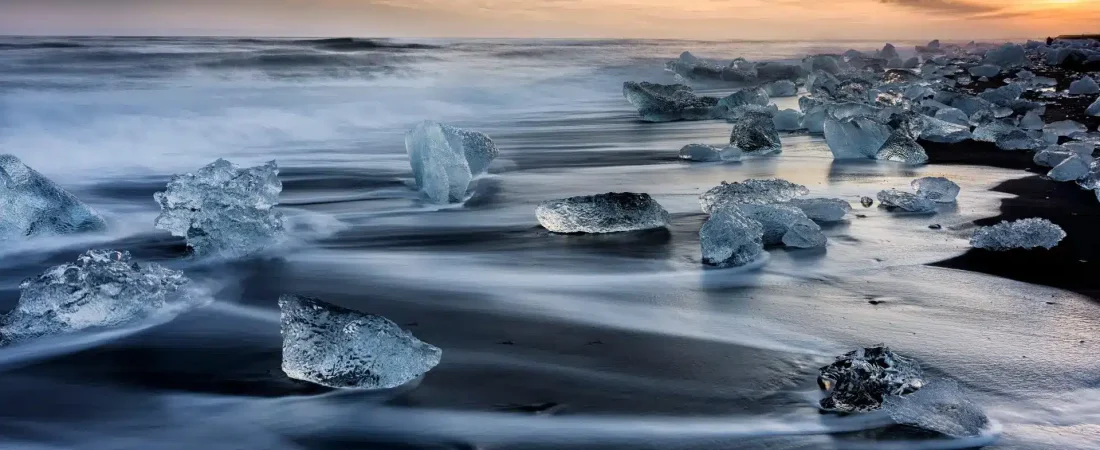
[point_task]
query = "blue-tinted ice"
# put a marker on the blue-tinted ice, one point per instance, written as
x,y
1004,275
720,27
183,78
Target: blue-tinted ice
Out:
x,y
445,159
31,205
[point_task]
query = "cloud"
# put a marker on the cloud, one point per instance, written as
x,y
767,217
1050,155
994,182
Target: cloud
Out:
x,y
968,8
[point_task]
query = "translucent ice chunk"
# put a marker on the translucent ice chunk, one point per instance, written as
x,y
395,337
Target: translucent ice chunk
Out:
x,y
937,130
985,70
939,406
751,191
1025,234
445,159
1072,168
953,115
1017,139
666,103
709,153
747,96
1092,180
1007,55
822,209
1051,157
903,149
781,88
906,201
221,209
730,239
788,120
102,289
854,138
1094,109
1085,86
888,52
32,205
860,380
784,224
756,134
603,213
1032,121
341,348
1065,128
993,131
937,189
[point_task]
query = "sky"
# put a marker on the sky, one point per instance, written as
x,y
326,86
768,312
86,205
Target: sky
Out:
x,y
686,19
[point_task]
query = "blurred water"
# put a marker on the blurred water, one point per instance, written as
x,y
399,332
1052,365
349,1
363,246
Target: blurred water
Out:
x,y
642,346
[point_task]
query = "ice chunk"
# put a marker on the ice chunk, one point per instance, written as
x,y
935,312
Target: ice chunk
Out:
x,y
221,209
604,213
936,130
939,406
1092,180
1008,55
888,52
993,131
771,71
985,70
708,153
747,96
824,63
784,224
821,83
1085,86
1072,168
1051,157
902,148
788,120
1065,128
446,159
1032,121
1019,140
730,239
666,103
867,202
751,191
1094,108
102,289
341,348
755,134
937,189
953,115
906,201
822,209
33,205
1025,234
1003,96
911,63
781,88
860,380
858,137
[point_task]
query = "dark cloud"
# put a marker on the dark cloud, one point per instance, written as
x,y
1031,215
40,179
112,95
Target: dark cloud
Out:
x,y
967,8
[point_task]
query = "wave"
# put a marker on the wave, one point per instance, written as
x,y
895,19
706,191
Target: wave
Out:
x,y
354,44
39,45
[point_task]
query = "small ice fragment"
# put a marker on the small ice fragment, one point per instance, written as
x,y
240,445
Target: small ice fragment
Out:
x,y
953,115
1025,234
822,209
1032,121
755,134
939,406
1085,86
341,348
751,191
903,149
937,189
867,202
102,289
710,153
666,103
855,138
730,239
906,201
31,204
1072,168
781,88
788,120
221,209
1065,128
985,70
604,213
1094,109
860,380
784,224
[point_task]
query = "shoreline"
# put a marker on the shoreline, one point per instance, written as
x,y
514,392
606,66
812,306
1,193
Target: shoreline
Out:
x,y
1073,264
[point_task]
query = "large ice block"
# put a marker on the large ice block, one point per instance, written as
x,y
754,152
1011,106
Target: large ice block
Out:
x,y
906,201
445,159
860,380
1024,234
937,189
31,205
755,191
731,239
604,213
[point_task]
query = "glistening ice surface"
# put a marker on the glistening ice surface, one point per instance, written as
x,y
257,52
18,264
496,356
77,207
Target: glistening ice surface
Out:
x,y
638,345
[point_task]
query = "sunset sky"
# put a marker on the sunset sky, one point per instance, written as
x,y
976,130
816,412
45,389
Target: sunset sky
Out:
x,y
692,19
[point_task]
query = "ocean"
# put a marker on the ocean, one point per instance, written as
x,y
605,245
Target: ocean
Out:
x,y
549,341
